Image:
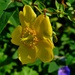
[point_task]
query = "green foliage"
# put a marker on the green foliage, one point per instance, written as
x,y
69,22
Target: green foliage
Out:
x,y
3,5
10,10
52,67
62,17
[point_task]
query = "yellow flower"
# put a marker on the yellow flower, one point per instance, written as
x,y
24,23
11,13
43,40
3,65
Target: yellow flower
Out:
x,y
33,37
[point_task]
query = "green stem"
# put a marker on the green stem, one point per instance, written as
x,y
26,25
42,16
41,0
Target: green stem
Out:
x,y
38,9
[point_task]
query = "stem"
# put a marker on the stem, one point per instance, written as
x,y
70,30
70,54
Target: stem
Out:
x,y
38,9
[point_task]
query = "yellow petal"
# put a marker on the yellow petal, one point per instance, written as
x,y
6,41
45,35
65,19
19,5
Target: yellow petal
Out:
x,y
45,50
42,26
26,54
38,22
45,27
16,35
22,20
29,13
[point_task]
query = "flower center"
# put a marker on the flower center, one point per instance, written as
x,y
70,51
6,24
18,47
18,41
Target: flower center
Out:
x,y
29,37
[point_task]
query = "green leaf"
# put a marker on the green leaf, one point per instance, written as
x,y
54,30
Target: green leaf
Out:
x,y
6,16
28,71
68,4
15,55
57,5
71,1
54,19
15,73
62,52
14,19
3,5
41,6
52,10
69,59
72,46
62,8
58,25
56,51
8,67
3,57
19,4
37,63
72,30
52,67
26,2
64,37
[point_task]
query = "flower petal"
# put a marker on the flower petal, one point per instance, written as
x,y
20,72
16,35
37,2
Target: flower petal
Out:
x,y
26,54
45,27
37,23
29,13
45,50
42,26
16,34
22,20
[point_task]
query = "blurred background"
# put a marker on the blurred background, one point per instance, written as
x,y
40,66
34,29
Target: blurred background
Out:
x,y
62,17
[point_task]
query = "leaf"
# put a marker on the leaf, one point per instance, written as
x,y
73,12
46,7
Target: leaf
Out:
x,y
41,6
56,51
14,19
51,10
15,55
54,19
8,67
62,8
15,73
37,63
3,5
3,57
57,5
58,25
52,67
28,71
69,59
72,46
64,37
19,4
71,1
26,2
68,4
6,15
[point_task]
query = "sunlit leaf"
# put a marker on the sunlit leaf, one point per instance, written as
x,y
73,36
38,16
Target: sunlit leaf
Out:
x,y
14,19
57,4
71,1
52,67
28,71
3,5
69,59
6,16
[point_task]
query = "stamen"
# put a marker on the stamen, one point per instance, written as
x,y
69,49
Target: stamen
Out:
x,y
29,37
34,43
30,45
